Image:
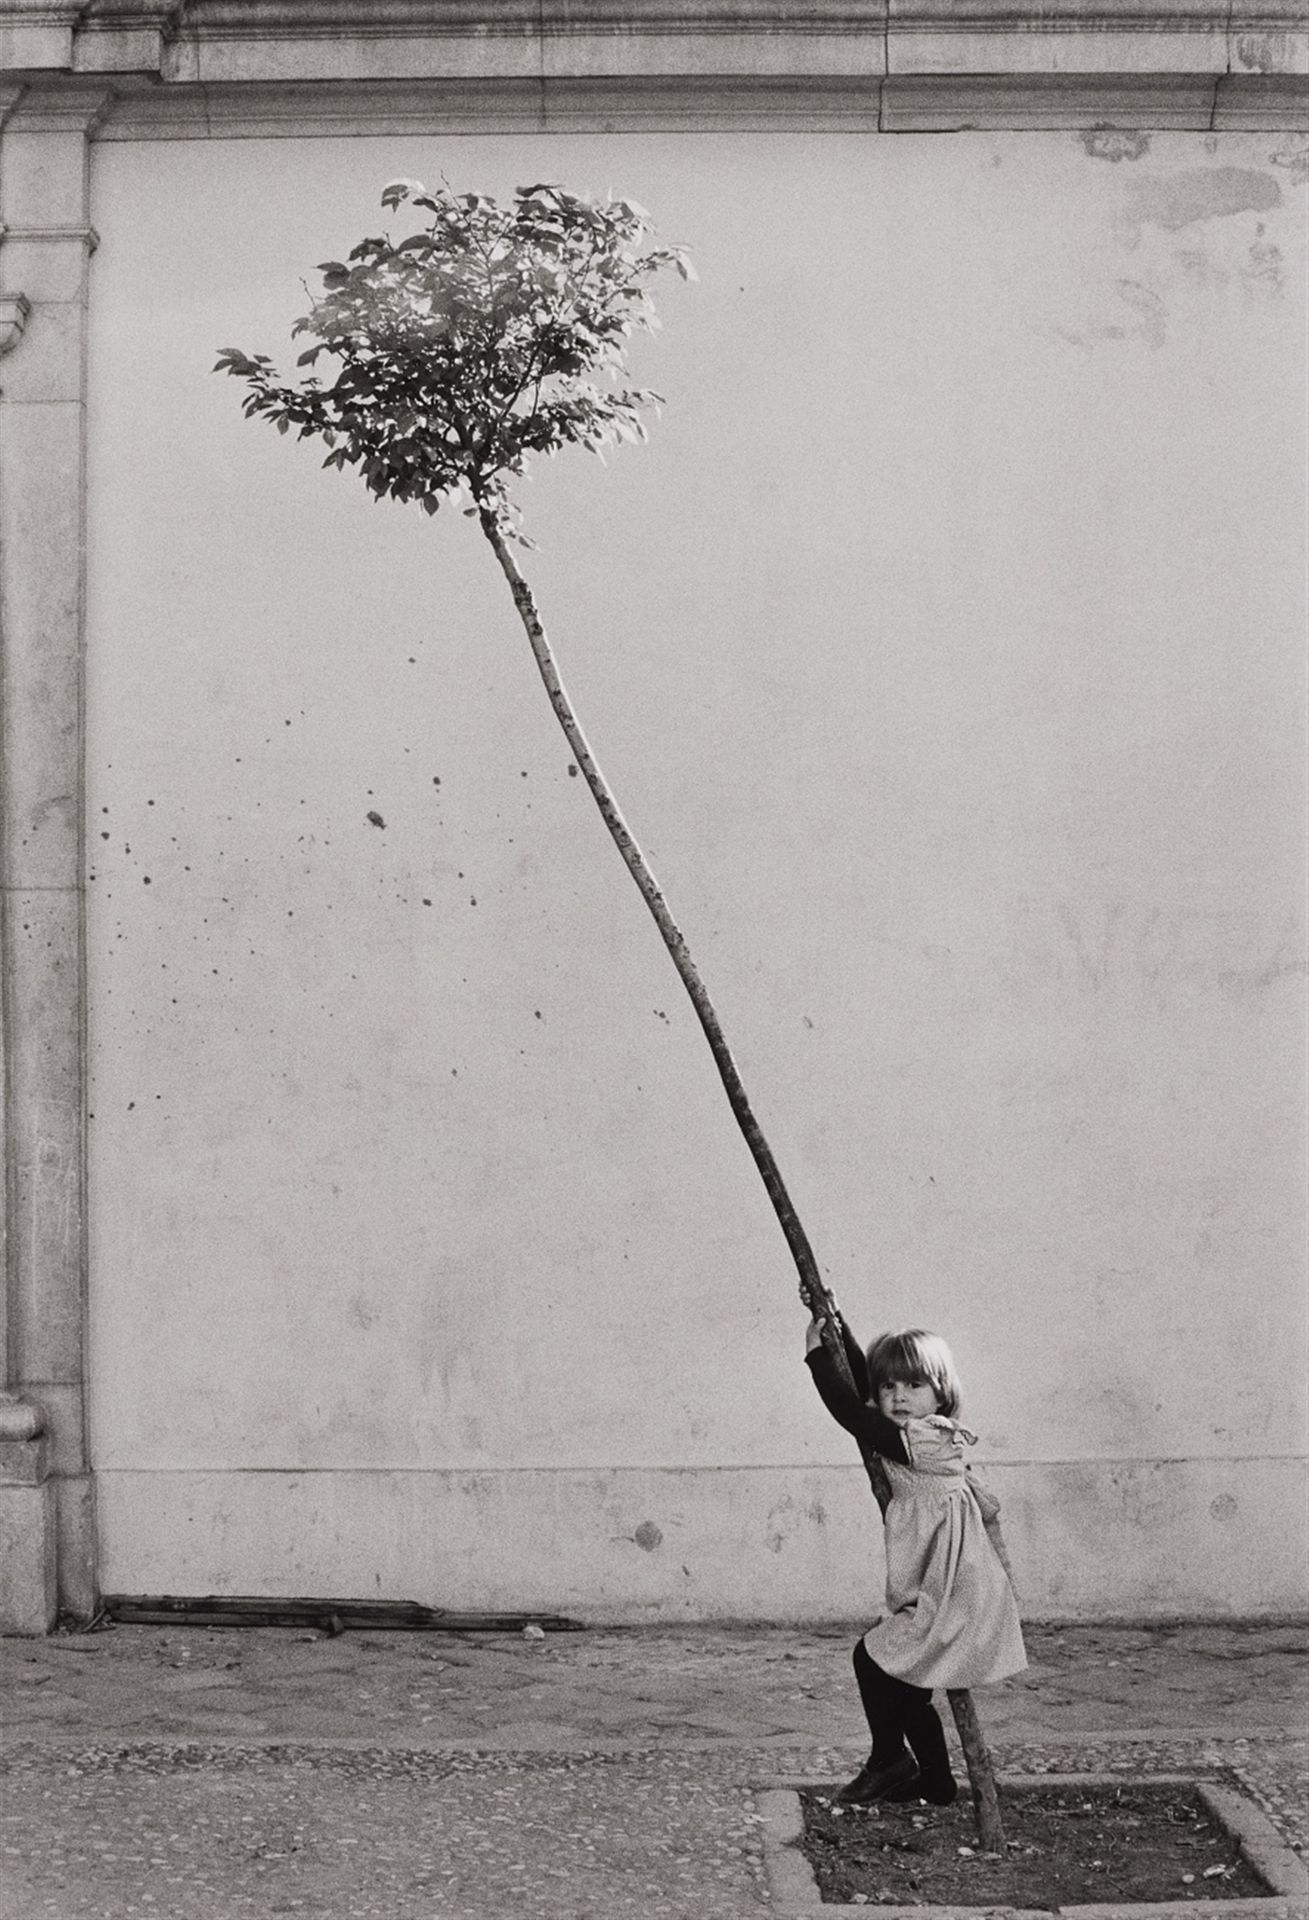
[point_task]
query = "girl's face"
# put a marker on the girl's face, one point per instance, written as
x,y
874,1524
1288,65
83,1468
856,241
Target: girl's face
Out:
x,y
901,1400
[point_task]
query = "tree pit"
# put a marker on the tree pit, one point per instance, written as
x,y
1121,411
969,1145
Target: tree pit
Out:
x,y
1134,1841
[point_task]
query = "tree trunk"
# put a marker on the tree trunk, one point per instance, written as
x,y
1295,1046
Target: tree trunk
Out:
x,y
981,1772
813,1289
812,1286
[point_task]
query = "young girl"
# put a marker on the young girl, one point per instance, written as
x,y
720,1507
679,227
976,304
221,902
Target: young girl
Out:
x,y
952,1620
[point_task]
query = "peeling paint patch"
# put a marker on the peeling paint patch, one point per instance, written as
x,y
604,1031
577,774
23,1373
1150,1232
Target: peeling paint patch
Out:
x,y
1294,156
1115,143
1178,200
1265,52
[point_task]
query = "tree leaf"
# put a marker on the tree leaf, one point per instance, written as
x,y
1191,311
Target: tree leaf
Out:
x,y
494,332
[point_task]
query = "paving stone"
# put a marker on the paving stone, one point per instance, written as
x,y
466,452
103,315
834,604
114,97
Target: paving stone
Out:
x,y
589,1777
195,1832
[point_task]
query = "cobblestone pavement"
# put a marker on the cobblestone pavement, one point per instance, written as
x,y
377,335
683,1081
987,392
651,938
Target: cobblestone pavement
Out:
x,y
197,1775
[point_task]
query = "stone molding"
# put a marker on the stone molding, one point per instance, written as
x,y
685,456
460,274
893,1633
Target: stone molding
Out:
x,y
897,103
28,1573
14,309
55,105
234,67
20,1419
932,103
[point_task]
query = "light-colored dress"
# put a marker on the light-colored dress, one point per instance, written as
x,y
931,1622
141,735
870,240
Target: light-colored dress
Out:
x,y
952,1618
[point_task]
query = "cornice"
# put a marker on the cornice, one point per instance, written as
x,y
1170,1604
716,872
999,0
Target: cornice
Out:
x,y
15,309
923,103
188,68
55,104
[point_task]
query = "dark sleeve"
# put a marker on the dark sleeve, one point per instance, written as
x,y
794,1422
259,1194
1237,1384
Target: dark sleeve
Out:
x,y
874,1432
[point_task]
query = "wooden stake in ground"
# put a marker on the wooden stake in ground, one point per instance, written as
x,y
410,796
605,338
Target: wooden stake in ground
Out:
x,y
495,332
981,1772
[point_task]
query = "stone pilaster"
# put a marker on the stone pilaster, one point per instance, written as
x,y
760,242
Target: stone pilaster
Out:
x,y
28,1554
45,243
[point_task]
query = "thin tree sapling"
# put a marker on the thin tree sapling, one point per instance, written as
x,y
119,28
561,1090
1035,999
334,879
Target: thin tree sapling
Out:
x,y
494,332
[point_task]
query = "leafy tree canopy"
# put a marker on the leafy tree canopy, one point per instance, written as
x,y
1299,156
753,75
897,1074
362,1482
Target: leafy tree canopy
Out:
x,y
494,332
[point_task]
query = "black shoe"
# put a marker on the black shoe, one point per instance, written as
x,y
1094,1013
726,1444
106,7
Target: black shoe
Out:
x,y
873,1783
941,1792
910,1789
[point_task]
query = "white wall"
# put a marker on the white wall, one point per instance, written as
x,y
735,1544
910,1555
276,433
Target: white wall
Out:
x,y
945,649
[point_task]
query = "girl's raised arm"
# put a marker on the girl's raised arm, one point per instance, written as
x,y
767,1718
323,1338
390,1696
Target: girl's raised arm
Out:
x,y
852,1410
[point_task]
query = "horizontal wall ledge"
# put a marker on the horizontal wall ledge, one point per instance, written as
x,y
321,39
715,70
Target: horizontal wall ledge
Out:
x,y
1092,102
1089,1540
126,110
547,49
252,39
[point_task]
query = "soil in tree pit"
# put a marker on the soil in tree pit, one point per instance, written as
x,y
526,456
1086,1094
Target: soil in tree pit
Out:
x,y
1064,1845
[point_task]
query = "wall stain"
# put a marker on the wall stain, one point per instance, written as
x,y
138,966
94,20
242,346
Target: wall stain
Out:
x,y
1198,270
1177,200
1115,144
1115,945
1264,273
1294,156
1263,52
1151,323
1147,319
781,1520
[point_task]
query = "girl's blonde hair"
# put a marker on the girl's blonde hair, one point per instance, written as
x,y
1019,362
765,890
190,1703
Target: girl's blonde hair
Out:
x,y
915,1357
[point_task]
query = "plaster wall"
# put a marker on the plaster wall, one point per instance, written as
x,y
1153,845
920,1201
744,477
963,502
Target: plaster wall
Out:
x,y
945,648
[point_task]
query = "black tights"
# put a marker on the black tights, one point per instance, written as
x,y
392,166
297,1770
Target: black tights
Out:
x,y
897,1712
